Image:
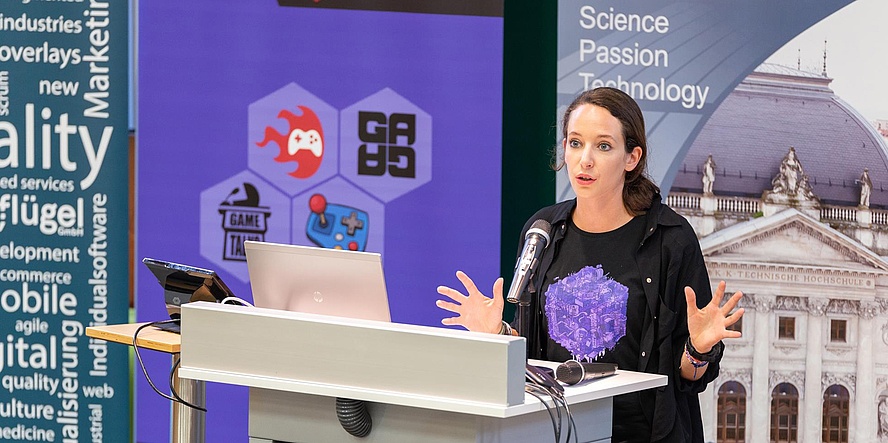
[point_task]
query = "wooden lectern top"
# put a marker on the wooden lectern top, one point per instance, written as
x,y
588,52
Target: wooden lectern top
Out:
x,y
150,337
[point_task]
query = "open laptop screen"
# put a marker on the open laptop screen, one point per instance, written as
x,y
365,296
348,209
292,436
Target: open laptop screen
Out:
x,y
317,280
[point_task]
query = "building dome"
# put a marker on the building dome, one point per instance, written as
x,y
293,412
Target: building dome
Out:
x,y
776,108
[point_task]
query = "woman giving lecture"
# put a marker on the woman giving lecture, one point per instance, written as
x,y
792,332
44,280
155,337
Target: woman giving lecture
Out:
x,y
623,280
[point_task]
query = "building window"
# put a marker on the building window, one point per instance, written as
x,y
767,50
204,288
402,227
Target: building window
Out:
x,y
737,326
731,413
838,330
786,328
785,414
835,414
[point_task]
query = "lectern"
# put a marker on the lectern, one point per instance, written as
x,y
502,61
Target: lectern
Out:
x,y
421,383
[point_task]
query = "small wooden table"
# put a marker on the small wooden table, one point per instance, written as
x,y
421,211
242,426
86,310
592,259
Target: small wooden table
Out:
x,y
187,423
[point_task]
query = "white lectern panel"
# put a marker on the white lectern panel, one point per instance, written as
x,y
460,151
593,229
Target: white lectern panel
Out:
x,y
366,360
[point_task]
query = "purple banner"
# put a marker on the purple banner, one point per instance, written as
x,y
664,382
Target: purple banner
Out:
x,y
255,121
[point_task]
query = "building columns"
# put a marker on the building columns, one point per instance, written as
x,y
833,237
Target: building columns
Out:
x,y
812,416
709,409
865,401
758,419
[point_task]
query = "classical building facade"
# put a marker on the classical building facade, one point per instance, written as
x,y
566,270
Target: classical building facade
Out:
x,y
785,186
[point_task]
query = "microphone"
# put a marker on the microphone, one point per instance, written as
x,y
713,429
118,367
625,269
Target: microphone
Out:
x,y
572,372
535,242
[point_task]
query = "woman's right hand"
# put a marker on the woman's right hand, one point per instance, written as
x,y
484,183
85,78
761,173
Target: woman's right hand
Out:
x,y
475,311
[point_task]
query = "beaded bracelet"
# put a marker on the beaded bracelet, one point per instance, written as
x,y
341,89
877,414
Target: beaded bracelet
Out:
x,y
697,364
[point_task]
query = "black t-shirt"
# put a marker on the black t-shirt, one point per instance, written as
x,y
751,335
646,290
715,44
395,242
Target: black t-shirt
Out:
x,y
591,278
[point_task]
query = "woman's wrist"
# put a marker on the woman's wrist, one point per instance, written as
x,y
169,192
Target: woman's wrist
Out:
x,y
695,363
505,328
699,349
712,354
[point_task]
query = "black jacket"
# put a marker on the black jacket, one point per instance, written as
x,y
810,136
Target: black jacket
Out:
x,y
669,259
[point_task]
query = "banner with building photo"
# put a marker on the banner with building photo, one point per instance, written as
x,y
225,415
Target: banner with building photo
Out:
x,y
363,126
767,130
63,220
679,60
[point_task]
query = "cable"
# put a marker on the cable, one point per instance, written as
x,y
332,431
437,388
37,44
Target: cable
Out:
x,y
530,388
145,370
555,401
560,402
559,399
139,356
173,389
572,425
237,299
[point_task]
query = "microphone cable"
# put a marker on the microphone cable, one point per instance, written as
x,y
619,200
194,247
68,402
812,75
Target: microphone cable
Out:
x,y
571,424
145,370
559,402
535,391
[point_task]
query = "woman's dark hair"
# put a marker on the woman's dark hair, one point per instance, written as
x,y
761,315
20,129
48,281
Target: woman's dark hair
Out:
x,y
638,190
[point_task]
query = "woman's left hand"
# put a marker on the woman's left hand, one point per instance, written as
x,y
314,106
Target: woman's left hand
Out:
x,y
709,325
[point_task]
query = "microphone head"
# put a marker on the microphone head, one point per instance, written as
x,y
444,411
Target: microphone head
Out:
x,y
540,227
535,241
570,372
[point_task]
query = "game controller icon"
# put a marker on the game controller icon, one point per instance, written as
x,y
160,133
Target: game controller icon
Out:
x,y
310,140
303,142
336,226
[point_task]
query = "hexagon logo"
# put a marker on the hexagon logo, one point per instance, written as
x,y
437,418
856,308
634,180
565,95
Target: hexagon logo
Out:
x,y
386,145
243,207
338,215
292,139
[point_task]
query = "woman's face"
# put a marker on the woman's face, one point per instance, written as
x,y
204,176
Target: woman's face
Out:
x,y
595,153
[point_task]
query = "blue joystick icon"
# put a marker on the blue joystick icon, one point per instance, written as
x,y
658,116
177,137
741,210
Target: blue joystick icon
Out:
x,y
336,226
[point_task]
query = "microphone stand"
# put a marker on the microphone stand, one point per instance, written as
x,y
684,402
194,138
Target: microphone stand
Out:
x,y
524,324
524,318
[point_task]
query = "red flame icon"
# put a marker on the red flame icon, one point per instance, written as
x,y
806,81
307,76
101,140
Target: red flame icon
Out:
x,y
303,143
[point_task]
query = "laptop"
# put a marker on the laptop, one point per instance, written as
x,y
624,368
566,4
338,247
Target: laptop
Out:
x,y
184,284
317,280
